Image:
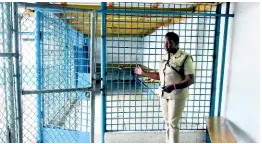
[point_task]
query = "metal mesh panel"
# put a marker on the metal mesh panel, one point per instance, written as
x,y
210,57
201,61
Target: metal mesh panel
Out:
x,y
55,57
55,66
7,109
63,127
7,85
63,55
132,102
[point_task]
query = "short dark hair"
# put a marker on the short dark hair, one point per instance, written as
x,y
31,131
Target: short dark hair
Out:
x,y
172,36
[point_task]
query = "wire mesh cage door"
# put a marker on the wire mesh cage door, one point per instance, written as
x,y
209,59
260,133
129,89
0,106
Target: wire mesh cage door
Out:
x,y
134,36
57,51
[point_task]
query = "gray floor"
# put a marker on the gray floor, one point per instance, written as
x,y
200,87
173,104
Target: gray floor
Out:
x,y
140,137
153,137
113,137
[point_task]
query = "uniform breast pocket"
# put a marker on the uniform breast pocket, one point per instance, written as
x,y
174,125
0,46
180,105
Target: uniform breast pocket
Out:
x,y
177,62
175,66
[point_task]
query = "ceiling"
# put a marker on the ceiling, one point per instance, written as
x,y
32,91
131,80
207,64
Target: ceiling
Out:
x,y
129,25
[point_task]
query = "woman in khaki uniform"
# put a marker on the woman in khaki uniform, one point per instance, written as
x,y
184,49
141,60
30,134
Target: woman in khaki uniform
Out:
x,y
176,74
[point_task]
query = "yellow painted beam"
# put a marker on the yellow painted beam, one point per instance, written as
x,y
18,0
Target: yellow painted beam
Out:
x,y
153,8
118,35
201,7
128,8
123,21
141,15
118,31
122,35
144,28
112,30
91,7
124,25
74,15
80,15
136,26
114,17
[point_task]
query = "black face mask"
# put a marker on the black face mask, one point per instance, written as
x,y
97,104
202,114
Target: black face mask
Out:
x,y
172,50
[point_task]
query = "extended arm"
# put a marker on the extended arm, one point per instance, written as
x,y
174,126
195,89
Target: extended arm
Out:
x,y
152,75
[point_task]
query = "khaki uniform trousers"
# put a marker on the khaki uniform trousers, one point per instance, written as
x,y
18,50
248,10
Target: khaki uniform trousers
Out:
x,y
172,111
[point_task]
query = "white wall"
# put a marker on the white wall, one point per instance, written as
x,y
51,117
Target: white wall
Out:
x,y
122,50
241,90
119,46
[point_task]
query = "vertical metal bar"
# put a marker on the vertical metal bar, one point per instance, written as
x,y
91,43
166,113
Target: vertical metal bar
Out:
x,y
148,87
134,74
66,65
112,75
130,75
202,63
95,64
38,75
124,73
71,64
153,83
83,58
141,97
60,80
199,53
215,62
42,66
66,57
191,54
52,42
103,71
18,78
118,74
208,43
223,59
78,65
161,46
111,78
9,68
92,98
46,111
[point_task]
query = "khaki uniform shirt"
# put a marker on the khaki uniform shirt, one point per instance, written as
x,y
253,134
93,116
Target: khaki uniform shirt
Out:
x,y
169,76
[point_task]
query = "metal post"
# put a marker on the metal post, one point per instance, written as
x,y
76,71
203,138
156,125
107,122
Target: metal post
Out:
x,y
18,78
215,62
223,59
9,72
38,75
103,71
92,96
